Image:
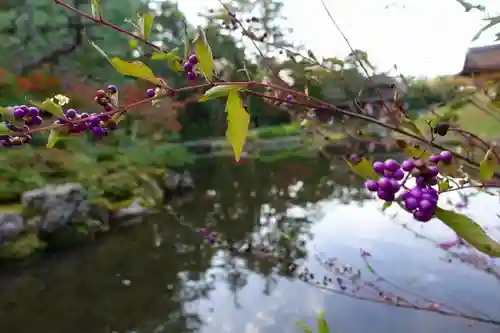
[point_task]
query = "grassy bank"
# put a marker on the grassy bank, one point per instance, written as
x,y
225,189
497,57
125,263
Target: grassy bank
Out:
x,y
106,171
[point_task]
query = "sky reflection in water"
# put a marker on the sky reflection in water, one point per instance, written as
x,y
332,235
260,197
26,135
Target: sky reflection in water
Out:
x,y
396,254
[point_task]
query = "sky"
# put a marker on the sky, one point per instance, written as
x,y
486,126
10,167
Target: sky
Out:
x,y
421,37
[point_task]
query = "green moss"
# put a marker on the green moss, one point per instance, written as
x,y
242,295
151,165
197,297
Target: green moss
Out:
x,y
22,247
14,208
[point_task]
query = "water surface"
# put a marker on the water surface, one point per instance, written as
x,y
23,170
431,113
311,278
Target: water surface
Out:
x,y
162,277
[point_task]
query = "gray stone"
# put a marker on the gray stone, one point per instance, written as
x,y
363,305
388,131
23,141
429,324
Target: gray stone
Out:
x,y
171,180
56,206
11,225
134,214
187,181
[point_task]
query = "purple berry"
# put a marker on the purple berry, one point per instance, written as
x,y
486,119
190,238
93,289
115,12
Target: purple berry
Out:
x,y
421,182
188,67
36,121
70,113
411,203
391,165
150,93
371,185
407,165
398,174
430,192
112,89
422,215
435,159
446,157
388,173
33,111
19,113
93,121
432,171
98,131
384,184
379,167
193,59
426,205
416,192
395,186
191,76
385,195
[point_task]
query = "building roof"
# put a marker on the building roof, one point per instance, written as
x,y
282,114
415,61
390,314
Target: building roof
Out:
x,y
481,59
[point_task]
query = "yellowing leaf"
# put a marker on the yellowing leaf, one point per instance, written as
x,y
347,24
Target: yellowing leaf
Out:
x,y
322,324
132,43
174,61
7,113
219,91
4,130
165,55
101,51
145,23
54,137
135,69
413,150
470,231
204,54
487,166
304,327
238,120
410,125
50,106
443,185
363,168
95,6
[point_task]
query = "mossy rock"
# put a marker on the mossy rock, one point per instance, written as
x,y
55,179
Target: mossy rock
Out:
x,y
119,186
21,247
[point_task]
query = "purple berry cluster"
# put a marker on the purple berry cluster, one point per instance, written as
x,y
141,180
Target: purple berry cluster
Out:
x,y
29,115
99,124
189,67
387,186
25,118
421,200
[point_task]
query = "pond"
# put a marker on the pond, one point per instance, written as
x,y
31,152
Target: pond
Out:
x,y
164,277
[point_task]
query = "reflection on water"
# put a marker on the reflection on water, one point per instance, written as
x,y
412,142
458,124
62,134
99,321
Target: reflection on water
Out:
x,y
162,277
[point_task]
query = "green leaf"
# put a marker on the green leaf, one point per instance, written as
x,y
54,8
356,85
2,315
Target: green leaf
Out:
x,y
219,91
54,137
145,23
470,231
95,6
4,130
135,69
386,205
487,166
50,106
363,168
238,121
443,185
304,327
322,324
204,54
